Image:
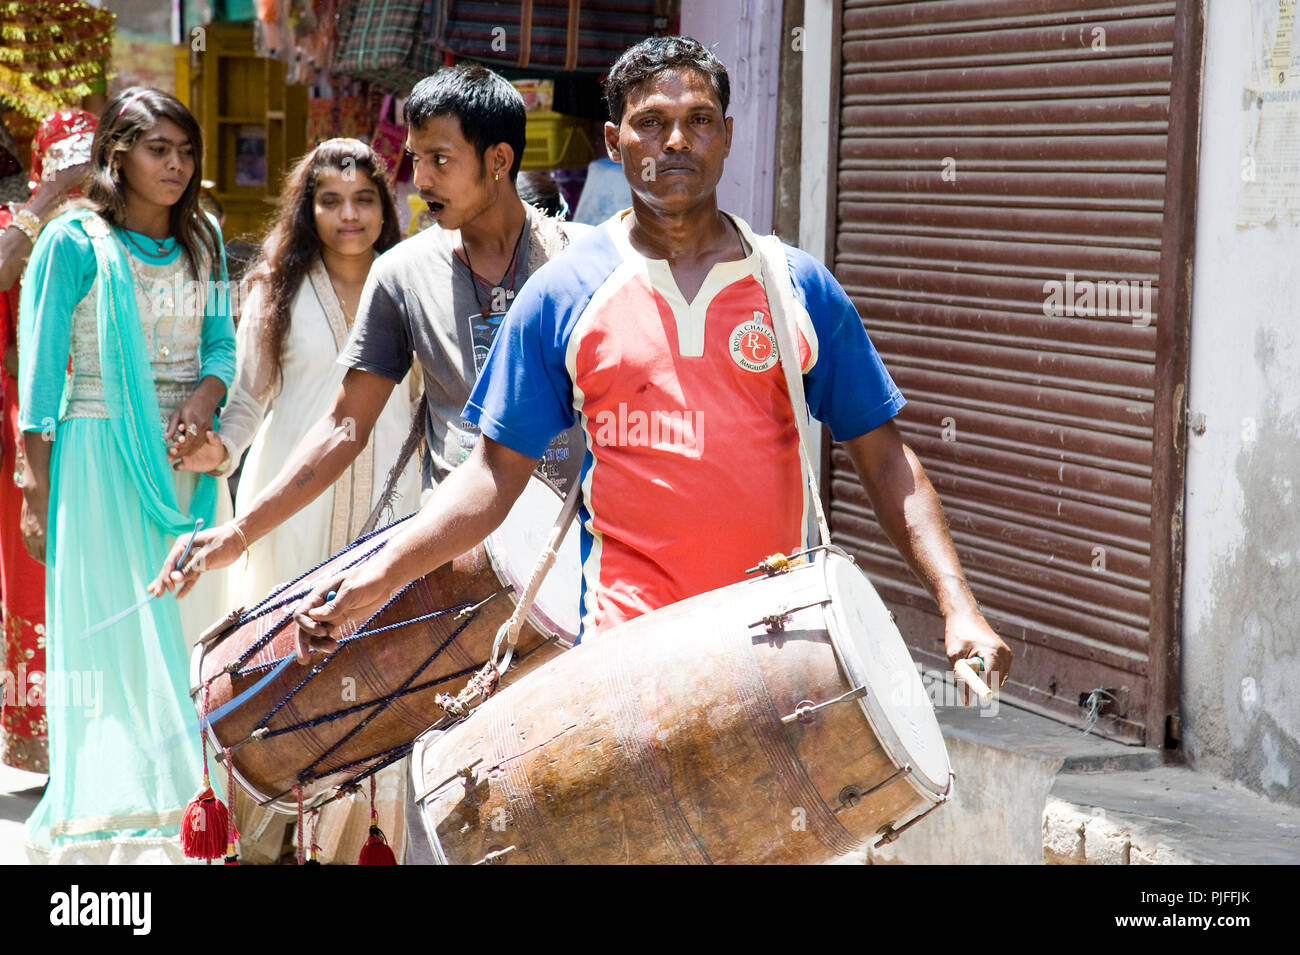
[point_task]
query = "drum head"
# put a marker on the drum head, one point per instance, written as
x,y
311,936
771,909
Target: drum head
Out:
x,y
515,546
873,655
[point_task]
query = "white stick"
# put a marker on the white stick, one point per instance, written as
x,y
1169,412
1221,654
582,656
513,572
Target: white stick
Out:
x,y
967,673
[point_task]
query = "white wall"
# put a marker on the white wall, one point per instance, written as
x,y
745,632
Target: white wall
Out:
x,y
1241,590
815,168
745,35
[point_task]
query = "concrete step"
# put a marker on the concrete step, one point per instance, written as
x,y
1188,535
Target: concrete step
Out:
x,y
1169,815
1029,790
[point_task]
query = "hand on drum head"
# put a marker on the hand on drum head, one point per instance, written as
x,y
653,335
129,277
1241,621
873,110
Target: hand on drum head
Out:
x,y
339,605
219,547
971,636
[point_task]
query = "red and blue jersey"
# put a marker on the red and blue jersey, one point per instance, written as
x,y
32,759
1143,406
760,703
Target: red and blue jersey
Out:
x,y
691,469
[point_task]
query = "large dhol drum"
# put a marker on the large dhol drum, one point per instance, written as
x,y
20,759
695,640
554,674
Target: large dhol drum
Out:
x,y
357,709
778,720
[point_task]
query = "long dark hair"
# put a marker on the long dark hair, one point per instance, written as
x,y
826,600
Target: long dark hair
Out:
x,y
292,243
130,113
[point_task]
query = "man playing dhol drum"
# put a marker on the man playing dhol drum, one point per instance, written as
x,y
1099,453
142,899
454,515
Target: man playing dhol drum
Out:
x,y
656,331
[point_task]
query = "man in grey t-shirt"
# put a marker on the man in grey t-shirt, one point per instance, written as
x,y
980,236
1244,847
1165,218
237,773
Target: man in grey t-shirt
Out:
x,y
406,309
436,296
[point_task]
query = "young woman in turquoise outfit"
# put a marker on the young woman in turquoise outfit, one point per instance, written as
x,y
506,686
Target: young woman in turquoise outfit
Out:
x,y
123,289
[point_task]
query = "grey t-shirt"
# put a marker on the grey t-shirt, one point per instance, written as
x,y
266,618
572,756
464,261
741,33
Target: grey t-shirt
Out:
x,y
420,300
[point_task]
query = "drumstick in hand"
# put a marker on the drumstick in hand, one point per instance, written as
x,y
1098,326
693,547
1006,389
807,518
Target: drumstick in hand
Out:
x,y
967,673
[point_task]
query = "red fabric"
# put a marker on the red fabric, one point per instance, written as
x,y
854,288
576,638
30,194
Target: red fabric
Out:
x,y
22,583
77,125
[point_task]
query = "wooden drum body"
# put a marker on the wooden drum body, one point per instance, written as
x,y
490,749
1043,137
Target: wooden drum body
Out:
x,y
694,734
358,709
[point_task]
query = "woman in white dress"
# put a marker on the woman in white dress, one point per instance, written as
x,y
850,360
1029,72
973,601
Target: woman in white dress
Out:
x,y
336,214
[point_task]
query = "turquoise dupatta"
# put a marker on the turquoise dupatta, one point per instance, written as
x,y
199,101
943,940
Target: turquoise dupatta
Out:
x,y
129,391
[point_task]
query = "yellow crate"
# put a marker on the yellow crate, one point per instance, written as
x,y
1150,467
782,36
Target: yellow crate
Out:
x,y
556,141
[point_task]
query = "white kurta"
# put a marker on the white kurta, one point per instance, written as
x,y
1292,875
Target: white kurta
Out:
x,y
276,420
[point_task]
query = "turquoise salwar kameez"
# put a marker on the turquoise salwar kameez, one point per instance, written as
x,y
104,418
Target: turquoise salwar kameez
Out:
x,y
124,744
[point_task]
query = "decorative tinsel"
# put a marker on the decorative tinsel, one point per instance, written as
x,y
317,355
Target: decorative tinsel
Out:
x,y
51,52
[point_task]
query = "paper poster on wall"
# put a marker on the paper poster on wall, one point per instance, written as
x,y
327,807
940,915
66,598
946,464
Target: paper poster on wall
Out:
x,y
1270,167
250,156
142,60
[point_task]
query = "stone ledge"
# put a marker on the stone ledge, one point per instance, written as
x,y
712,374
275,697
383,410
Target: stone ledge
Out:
x,y
1030,790
1004,766
1031,736
1167,815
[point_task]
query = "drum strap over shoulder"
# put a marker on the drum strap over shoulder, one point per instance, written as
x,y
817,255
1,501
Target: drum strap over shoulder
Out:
x,y
781,302
414,435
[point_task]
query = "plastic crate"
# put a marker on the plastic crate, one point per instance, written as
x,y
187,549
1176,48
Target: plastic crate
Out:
x,y
556,141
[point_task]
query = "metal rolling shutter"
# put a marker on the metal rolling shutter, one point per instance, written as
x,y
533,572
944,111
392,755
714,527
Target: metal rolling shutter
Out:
x,y
1038,432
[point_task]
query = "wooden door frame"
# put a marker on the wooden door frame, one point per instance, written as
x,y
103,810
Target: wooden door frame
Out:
x,y
1173,337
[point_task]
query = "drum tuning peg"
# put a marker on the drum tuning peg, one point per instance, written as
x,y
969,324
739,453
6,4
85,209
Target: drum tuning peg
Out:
x,y
466,773
803,712
495,858
850,796
804,709
771,565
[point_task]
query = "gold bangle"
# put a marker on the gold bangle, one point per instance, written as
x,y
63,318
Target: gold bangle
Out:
x,y
242,539
27,223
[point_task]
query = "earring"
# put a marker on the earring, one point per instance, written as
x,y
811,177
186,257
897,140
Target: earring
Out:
x,y
498,179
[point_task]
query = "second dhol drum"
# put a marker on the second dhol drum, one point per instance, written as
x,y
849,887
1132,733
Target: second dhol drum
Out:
x,y
780,720
359,708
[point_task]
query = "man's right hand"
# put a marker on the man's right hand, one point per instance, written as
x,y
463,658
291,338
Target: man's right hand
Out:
x,y
212,550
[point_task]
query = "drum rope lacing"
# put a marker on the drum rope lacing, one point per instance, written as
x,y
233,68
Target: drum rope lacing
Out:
x,y
383,759
264,608
466,613
285,595
381,705
349,710
252,613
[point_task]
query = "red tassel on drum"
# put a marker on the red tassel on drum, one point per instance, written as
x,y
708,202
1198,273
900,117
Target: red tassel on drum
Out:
x,y
205,826
376,851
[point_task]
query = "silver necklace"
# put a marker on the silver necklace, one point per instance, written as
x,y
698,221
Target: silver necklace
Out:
x,y
162,243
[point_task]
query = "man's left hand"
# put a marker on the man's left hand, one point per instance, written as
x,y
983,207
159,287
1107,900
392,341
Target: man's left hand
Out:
x,y
970,635
322,620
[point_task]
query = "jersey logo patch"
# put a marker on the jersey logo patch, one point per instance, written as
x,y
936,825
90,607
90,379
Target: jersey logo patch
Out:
x,y
753,346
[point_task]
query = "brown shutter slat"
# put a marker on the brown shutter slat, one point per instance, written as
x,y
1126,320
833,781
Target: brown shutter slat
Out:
x,y
1126,229
886,16
1110,77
